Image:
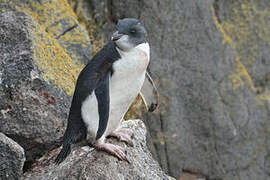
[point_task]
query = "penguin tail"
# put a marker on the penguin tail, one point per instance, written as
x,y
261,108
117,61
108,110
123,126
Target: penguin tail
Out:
x,y
76,131
63,153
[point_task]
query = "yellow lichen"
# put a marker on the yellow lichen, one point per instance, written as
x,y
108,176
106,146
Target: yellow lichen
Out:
x,y
58,67
264,96
49,15
85,20
56,64
243,31
49,12
241,76
161,137
97,42
136,109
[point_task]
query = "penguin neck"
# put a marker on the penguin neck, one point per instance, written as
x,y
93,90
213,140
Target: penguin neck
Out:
x,y
141,48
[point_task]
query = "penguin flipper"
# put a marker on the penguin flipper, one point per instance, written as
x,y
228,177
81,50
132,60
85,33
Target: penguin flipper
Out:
x,y
103,97
76,129
93,78
149,93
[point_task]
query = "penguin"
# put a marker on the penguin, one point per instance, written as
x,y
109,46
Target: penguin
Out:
x,y
106,88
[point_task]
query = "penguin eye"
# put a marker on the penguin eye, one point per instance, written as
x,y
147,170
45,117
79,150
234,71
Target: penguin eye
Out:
x,y
132,31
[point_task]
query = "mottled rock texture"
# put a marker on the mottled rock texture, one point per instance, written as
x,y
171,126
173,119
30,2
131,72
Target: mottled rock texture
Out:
x,y
58,20
88,163
42,51
210,60
11,159
37,77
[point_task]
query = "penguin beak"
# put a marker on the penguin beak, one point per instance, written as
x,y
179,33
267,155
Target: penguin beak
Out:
x,y
116,35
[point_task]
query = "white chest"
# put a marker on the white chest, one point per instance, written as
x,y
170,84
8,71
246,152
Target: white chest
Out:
x,y
125,84
134,61
129,74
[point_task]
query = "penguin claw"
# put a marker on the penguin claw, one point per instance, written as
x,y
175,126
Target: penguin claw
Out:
x,y
124,135
115,150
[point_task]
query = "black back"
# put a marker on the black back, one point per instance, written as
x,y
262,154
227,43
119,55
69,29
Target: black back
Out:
x,y
90,77
94,77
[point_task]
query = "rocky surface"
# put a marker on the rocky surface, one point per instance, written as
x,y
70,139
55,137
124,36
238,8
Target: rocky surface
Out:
x,y
42,50
36,78
87,163
11,158
210,60
57,19
33,112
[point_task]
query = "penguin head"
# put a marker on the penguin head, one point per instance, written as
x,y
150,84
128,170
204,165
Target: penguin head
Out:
x,y
129,33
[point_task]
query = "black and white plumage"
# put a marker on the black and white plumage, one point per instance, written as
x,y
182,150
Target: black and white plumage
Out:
x,y
107,86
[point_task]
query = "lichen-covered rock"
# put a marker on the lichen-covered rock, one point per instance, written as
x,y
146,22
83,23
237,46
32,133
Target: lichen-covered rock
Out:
x,y
210,60
11,159
88,163
33,111
36,78
57,19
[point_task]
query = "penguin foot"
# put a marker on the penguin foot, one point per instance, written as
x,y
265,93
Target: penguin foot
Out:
x,y
124,135
115,150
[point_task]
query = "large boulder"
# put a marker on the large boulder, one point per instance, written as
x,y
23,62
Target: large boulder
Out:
x,y
11,158
58,20
210,60
37,79
87,163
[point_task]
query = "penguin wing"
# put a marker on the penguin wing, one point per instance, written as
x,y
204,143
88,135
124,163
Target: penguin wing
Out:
x,y
95,78
149,93
103,98
76,128
99,84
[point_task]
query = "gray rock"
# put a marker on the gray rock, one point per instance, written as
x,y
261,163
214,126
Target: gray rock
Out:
x,y
211,66
11,159
87,163
210,61
59,21
33,112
